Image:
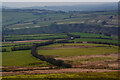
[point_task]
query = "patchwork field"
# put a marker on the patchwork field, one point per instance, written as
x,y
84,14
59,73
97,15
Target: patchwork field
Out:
x,y
77,49
32,19
83,55
56,44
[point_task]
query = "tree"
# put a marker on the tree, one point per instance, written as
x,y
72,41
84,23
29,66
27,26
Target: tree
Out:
x,y
111,17
34,22
104,23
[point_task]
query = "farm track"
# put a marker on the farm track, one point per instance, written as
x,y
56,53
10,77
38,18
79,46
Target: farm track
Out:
x,y
108,64
69,70
115,55
24,41
14,68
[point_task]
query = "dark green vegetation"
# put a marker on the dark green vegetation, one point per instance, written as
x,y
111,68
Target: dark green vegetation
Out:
x,y
35,37
95,40
12,46
65,28
51,60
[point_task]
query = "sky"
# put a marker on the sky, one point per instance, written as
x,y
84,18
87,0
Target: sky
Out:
x,y
30,3
59,0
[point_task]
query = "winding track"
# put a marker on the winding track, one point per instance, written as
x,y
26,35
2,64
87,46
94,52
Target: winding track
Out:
x,y
68,70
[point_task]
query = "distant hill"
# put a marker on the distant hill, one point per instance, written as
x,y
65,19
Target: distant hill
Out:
x,y
95,7
82,7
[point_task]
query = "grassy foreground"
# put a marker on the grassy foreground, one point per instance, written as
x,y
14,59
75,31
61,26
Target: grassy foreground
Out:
x,y
82,76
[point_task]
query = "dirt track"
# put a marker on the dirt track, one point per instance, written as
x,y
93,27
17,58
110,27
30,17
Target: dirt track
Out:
x,y
114,55
24,41
56,71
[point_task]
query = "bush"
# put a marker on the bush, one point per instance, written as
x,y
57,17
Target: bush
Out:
x,y
21,48
3,50
67,65
50,60
59,62
41,57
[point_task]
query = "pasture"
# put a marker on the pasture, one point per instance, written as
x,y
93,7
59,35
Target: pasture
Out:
x,y
21,58
95,40
79,55
65,50
23,28
83,55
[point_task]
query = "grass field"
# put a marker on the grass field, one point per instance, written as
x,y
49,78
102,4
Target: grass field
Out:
x,y
72,44
64,52
20,58
35,37
90,35
94,40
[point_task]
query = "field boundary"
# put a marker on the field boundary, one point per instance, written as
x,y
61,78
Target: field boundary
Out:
x,y
59,63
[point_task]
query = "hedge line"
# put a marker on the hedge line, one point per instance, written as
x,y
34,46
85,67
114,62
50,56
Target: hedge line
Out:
x,y
51,60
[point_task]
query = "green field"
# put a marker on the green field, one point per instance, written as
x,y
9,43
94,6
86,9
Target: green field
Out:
x,y
21,58
89,37
94,40
92,35
72,44
35,37
64,52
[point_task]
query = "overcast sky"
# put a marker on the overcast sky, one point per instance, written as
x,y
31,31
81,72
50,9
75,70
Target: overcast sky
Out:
x,y
59,0
30,3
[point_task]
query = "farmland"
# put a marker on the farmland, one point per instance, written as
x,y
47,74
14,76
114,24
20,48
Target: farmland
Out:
x,y
32,19
21,58
56,44
42,22
77,51
78,55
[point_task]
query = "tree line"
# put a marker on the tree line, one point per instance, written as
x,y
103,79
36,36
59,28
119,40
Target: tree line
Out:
x,y
66,28
51,60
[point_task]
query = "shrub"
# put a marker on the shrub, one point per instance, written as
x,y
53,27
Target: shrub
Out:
x,y
3,50
21,48
66,65
59,62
